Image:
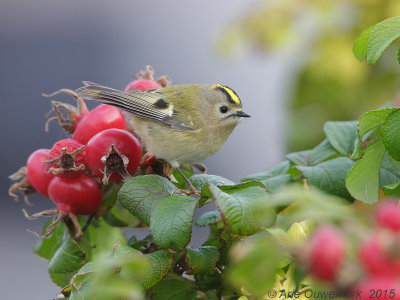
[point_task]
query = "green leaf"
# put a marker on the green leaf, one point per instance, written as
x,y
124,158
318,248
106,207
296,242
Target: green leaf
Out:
x,y
280,169
161,262
110,193
208,218
212,281
121,250
158,263
274,183
373,119
206,193
121,217
381,37
61,279
362,182
398,56
319,154
329,176
341,135
202,260
171,222
68,258
254,266
172,289
113,277
141,194
46,248
392,190
361,45
358,150
181,182
103,237
113,220
81,282
390,171
238,207
310,203
391,134
200,180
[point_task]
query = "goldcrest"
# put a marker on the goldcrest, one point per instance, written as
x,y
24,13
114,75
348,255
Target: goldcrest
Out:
x,y
181,123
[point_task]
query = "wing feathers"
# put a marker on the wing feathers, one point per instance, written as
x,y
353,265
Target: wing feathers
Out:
x,y
140,103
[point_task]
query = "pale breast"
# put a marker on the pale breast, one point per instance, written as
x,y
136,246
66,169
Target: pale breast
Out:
x,y
177,145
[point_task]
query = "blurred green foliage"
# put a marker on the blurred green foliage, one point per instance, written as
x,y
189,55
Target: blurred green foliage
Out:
x,y
329,84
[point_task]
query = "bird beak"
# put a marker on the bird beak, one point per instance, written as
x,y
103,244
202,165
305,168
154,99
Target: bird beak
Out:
x,y
242,114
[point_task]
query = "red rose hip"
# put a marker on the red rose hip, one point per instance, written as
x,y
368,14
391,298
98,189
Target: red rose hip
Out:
x,y
67,159
78,196
101,118
38,172
377,257
142,85
387,215
326,252
104,161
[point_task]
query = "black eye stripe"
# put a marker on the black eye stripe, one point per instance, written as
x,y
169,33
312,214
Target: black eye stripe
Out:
x,y
223,109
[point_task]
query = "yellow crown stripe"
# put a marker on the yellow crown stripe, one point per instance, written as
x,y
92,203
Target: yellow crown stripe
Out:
x,y
232,95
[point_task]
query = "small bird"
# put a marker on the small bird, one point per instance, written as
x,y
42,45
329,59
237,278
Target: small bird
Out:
x,y
181,123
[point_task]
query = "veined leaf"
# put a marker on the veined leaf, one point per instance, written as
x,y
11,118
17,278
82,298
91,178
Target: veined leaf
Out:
x,y
237,209
329,176
141,194
362,182
381,37
171,222
391,134
342,135
202,260
361,45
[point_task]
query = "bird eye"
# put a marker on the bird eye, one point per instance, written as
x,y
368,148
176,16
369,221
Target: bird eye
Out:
x,y
223,109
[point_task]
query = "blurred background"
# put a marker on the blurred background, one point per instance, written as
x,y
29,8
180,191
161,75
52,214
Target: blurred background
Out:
x,y
290,61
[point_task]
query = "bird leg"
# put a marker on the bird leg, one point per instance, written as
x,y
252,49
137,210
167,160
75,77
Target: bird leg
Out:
x,y
192,188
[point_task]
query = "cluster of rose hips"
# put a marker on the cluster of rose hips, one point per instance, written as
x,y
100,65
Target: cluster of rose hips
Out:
x,y
102,148
374,271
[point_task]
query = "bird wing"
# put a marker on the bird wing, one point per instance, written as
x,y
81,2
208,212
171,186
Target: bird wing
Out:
x,y
145,104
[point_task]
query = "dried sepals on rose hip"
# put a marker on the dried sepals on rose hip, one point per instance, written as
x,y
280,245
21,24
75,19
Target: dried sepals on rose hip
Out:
x,y
77,196
74,113
67,159
34,177
113,154
145,81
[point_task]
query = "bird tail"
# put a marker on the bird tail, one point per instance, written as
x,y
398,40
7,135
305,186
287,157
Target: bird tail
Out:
x,y
94,91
